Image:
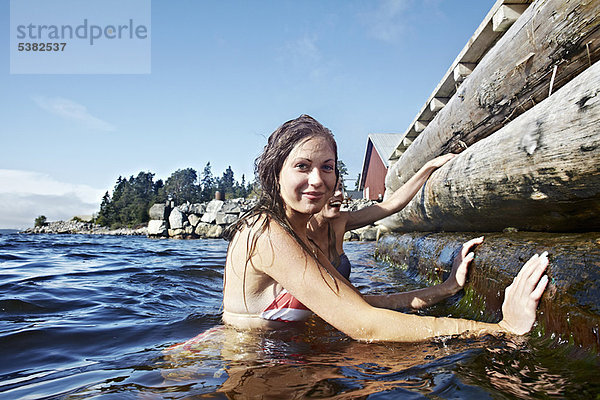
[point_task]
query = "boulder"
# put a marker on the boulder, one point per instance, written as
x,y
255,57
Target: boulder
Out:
x,y
212,208
184,208
176,233
231,208
158,211
351,236
225,219
209,217
214,205
198,208
193,220
176,219
157,227
215,232
367,233
202,229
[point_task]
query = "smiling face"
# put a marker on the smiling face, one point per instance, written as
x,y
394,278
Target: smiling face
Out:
x,y
332,207
307,177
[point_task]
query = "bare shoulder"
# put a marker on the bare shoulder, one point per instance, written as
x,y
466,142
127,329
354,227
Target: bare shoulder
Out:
x,y
263,242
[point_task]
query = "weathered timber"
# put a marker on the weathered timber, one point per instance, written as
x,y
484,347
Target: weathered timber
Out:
x,y
511,78
420,126
570,306
541,172
437,103
482,40
463,70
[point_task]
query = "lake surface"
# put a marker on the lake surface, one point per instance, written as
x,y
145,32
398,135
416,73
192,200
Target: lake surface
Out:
x,y
94,317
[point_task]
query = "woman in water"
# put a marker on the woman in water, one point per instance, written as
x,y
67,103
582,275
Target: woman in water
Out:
x,y
327,227
274,274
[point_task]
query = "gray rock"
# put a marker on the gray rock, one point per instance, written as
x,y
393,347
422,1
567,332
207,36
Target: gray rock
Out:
x,y
214,205
157,227
225,219
367,233
198,208
209,217
193,219
184,208
231,208
202,229
212,208
351,236
215,231
158,211
356,205
176,219
176,233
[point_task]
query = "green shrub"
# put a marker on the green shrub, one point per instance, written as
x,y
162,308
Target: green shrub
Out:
x,y
40,221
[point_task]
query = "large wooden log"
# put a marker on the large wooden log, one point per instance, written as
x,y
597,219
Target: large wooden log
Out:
x,y
541,172
570,307
551,36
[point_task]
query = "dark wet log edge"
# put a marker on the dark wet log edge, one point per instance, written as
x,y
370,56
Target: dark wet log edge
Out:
x,y
570,308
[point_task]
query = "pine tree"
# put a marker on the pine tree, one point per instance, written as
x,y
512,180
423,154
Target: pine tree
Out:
x,y
343,171
226,183
181,186
208,184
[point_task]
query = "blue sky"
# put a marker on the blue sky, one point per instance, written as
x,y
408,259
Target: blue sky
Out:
x,y
223,76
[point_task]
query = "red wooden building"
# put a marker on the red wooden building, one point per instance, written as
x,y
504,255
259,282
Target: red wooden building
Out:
x,y
380,148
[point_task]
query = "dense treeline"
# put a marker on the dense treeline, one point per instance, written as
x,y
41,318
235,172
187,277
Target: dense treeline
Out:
x,y
132,198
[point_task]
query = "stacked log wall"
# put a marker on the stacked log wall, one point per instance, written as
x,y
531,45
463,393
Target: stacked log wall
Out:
x,y
541,172
552,42
526,122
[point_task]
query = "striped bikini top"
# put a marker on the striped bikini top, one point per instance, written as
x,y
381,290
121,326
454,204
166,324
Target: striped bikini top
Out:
x,y
286,308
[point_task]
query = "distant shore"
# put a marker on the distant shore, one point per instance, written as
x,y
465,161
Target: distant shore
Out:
x,y
85,228
75,226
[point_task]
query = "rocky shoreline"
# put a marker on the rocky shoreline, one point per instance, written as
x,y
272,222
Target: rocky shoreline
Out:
x,y
189,221
84,228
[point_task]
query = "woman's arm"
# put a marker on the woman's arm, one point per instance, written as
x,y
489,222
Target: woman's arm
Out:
x,y
323,291
399,199
426,297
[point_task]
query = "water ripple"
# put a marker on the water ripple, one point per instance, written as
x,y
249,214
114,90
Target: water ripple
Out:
x,y
84,316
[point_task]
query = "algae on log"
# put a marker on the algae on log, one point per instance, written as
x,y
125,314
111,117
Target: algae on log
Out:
x,y
511,78
570,306
541,172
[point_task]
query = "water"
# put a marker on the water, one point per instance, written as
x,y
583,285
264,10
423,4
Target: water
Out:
x,y
93,317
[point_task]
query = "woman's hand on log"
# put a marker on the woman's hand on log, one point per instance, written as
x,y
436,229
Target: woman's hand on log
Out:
x,y
439,161
460,266
523,295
